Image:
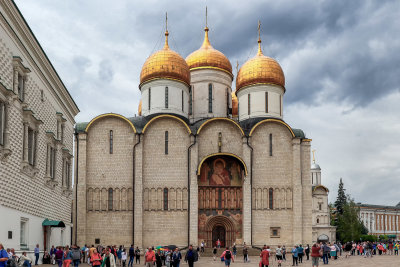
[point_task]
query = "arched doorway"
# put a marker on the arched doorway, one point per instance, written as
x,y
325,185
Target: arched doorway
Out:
x,y
220,199
323,238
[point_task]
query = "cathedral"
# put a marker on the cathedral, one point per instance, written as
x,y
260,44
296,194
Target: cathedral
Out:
x,y
201,162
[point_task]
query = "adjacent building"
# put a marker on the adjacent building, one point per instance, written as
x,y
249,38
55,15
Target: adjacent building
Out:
x,y
36,140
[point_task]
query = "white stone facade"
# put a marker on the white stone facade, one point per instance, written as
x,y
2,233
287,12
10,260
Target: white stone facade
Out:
x,y
381,220
37,140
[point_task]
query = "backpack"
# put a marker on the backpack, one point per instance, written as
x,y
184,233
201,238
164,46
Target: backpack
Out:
x,y
76,254
11,263
228,255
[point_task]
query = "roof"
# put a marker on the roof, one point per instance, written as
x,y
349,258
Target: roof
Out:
x,y
373,206
47,222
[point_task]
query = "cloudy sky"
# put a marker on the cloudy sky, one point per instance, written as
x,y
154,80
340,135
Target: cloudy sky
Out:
x,y
341,61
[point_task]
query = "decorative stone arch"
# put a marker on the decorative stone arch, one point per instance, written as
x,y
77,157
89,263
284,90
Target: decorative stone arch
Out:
x,y
220,119
167,116
106,115
220,220
272,121
323,238
222,154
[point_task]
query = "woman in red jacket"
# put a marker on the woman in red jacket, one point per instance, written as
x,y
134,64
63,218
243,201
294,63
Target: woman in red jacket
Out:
x,y
315,255
264,257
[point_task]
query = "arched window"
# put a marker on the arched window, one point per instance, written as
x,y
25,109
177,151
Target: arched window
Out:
x,y
166,143
182,102
266,102
210,98
280,105
248,104
190,100
111,141
270,144
317,220
166,97
110,199
320,206
165,198
271,198
149,98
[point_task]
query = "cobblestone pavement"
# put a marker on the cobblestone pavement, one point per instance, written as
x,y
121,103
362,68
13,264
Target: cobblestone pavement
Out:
x,y
359,261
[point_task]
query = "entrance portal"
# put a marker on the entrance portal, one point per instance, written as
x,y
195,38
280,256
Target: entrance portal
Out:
x,y
218,233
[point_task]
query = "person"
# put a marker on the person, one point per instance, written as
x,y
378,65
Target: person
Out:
x,y
396,249
36,251
278,255
168,258
67,257
123,257
202,245
176,257
108,259
227,255
333,251
307,251
264,257
284,253
295,256
53,255
218,243
131,253
214,253
46,258
59,255
137,255
325,250
315,254
149,258
191,256
83,252
13,259
76,255
91,251
119,255
245,252
3,256
24,260
95,259
158,258
234,250
300,249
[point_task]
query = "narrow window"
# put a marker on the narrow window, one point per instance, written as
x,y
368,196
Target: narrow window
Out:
x,y
110,199
227,102
53,163
166,97
271,198
42,95
190,100
2,122
317,220
270,144
111,141
280,105
248,104
320,206
62,133
21,87
182,101
149,98
165,198
31,146
210,98
266,102
166,142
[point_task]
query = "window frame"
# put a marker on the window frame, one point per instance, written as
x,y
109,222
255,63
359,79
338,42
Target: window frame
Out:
x,y
165,198
111,142
266,102
149,98
210,98
110,199
166,92
271,198
248,104
191,100
166,136
270,145
2,122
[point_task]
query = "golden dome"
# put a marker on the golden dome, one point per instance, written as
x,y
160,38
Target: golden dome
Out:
x,y
208,57
235,105
260,70
165,64
140,108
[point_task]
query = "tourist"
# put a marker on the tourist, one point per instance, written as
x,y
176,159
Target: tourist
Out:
x,y
95,259
218,243
176,257
348,248
119,256
295,255
149,257
67,257
191,256
315,255
396,249
24,260
76,255
53,255
131,254
278,255
123,257
168,259
227,256
234,250
264,257
137,255
300,250
36,251
284,252
158,258
380,248
326,251
333,251
59,256
214,253
307,251
108,259
3,256
245,253
46,258
202,245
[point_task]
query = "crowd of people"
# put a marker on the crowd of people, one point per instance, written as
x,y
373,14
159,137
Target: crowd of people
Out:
x,y
113,256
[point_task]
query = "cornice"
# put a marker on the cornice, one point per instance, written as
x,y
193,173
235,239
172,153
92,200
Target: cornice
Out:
x,y
39,60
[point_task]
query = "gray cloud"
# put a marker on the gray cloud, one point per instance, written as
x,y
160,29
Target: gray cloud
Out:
x,y
340,60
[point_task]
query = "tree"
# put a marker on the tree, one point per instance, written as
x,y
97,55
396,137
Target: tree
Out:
x,y
341,198
349,226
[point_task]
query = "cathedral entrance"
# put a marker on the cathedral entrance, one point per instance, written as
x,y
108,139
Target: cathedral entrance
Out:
x,y
218,233
220,199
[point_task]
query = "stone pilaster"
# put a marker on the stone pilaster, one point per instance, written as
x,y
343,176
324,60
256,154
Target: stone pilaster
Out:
x,y
306,192
297,194
247,219
81,164
138,194
194,191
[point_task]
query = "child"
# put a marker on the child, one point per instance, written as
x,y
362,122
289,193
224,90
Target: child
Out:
x,y
123,257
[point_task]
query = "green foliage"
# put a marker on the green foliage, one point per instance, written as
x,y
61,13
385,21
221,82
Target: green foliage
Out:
x,y
370,238
349,227
383,238
341,199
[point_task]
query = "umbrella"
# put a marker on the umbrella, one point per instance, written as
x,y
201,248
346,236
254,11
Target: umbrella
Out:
x,y
171,247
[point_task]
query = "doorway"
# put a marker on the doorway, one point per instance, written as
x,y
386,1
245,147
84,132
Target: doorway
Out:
x,y
218,232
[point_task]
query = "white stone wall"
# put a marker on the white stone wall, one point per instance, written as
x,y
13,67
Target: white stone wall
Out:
x,y
221,82
157,98
258,99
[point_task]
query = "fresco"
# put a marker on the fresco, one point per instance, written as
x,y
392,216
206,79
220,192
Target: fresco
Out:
x,y
221,171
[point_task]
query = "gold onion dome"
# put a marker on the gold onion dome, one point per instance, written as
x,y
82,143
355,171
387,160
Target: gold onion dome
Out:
x,y
208,57
235,105
260,70
165,64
